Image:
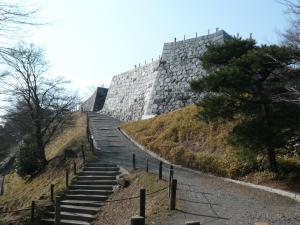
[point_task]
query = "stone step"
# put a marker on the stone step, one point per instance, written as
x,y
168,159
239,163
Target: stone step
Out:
x,y
51,221
91,187
80,209
99,173
82,203
77,208
95,177
109,136
109,141
94,168
74,216
109,132
96,182
100,164
89,192
86,197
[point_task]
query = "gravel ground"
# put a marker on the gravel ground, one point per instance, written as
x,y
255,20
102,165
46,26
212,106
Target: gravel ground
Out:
x,y
207,199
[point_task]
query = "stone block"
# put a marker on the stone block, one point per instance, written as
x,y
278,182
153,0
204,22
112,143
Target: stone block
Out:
x,y
155,86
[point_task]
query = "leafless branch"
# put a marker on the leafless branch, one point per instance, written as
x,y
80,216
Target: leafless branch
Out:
x,y
291,36
44,103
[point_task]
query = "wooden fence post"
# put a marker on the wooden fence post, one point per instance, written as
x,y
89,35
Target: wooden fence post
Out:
x,y
57,210
160,170
83,155
91,144
143,202
87,127
173,195
74,168
137,220
67,177
192,223
32,211
52,192
133,161
147,165
170,179
2,185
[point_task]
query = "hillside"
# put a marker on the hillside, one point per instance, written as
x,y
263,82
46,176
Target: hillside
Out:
x,y
19,192
183,139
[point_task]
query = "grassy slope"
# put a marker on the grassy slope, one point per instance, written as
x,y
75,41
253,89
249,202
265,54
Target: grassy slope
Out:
x,y
119,213
18,193
181,138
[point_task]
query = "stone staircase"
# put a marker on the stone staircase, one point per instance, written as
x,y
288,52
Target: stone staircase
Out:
x,y
84,198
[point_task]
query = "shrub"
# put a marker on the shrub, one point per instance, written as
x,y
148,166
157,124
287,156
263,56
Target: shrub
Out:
x,y
289,168
176,154
27,162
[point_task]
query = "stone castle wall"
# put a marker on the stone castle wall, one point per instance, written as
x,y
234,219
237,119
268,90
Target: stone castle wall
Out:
x,y
96,101
180,64
163,85
130,92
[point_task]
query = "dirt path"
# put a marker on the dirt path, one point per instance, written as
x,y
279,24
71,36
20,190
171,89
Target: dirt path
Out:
x,y
203,198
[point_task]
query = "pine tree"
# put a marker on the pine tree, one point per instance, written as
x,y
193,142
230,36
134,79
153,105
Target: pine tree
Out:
x,y
255,86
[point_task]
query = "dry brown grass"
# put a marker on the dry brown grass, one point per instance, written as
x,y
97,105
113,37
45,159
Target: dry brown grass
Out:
x,y
71,136
181,128
183,139
18,193
119,213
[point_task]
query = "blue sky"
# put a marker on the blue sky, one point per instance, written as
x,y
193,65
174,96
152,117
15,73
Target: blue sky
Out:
x,y
89,41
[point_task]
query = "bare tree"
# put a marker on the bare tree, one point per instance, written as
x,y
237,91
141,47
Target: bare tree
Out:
x,y
17,119
46,103
291,36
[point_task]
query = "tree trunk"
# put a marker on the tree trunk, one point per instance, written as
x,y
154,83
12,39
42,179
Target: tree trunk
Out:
x,y
271,150
40,144
272,159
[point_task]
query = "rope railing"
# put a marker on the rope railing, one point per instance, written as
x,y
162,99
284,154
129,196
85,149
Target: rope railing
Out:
x,y
150,164
16,210
30,215
8,222
137,196
35,208
191,190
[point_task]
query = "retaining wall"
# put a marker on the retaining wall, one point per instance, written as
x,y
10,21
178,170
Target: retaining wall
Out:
x,y
96,101
163,85
129,93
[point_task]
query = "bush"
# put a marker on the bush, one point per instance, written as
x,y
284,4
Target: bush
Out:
x,y
289,169
27,161
176,155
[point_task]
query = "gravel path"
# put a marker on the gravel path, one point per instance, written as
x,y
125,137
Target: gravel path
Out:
x,y
203,198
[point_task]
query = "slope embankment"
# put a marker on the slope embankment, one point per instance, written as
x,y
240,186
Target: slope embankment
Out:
x,y
20,192
183,139
204,198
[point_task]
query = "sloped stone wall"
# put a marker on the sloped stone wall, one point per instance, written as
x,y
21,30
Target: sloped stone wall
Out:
x,y
163,85
96,101
130,92
179,65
